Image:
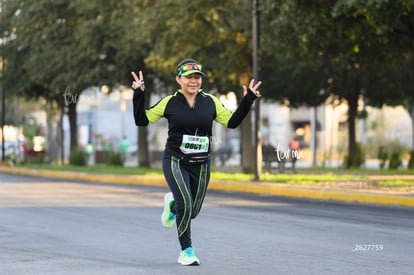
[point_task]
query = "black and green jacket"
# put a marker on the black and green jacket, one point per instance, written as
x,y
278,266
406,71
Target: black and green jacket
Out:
x,y
194,120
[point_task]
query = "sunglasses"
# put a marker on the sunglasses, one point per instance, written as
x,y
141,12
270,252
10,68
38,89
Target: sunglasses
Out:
x,y
190,67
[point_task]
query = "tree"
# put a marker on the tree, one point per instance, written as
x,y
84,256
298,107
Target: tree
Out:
x,y
341,47
393,22
216,33
336,46
69,46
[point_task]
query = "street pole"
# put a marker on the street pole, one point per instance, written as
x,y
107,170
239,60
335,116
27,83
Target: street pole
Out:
x,y
257,141
314,122
3,97
3,113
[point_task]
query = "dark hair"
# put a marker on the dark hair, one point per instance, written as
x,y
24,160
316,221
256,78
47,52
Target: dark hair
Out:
x,y
185,61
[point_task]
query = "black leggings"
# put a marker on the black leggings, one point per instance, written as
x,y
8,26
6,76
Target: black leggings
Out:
x,y
188,183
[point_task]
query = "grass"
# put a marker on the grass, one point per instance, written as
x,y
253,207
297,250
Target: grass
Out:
x,y
361,171
301,179
395,183
100,169
309,177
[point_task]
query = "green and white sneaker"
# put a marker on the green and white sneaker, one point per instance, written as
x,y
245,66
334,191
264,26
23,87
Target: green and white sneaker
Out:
x,y
167,217
187,257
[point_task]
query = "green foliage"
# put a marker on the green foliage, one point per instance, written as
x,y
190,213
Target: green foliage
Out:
x,y
216,33
77,157
309,49
99,168
395,161
58,46
113,158
383,157
360,157
395,183
391,151
411,161
31,130
344,48
394,147
12,158
35,157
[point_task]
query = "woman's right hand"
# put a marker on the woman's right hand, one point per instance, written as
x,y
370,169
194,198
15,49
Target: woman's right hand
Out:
x,y
138,82
253,87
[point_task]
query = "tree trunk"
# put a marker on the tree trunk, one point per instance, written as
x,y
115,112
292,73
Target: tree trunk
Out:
x,y
143,146
61,135
55,112
143,152
352,159
52,141
73,125
246,149
412,126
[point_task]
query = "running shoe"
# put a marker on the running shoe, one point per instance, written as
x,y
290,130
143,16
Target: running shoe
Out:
x,y
167,217
187,257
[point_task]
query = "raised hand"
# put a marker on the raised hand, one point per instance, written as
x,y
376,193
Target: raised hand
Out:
x,y
138,82
253,87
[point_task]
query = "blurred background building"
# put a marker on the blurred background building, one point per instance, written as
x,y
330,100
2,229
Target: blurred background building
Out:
x,y
104,119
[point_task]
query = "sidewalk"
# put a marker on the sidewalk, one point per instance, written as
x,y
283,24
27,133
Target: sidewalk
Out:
x,y
367,196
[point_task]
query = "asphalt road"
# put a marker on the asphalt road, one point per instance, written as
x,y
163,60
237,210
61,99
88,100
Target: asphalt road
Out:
x,y
62,227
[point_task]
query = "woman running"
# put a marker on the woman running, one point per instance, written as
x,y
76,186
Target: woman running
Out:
x,y
186,160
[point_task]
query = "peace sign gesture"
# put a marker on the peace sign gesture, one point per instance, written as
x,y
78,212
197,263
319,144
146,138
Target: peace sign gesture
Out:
x,y
138,82
253,88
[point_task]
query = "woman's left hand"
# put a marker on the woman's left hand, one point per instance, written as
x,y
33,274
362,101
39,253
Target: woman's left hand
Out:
x,y
253,87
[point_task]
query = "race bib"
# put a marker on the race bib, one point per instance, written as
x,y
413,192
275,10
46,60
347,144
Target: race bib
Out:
x,y
194,144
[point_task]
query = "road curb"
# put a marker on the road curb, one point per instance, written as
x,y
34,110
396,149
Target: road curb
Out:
x,y
264,188
314,193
